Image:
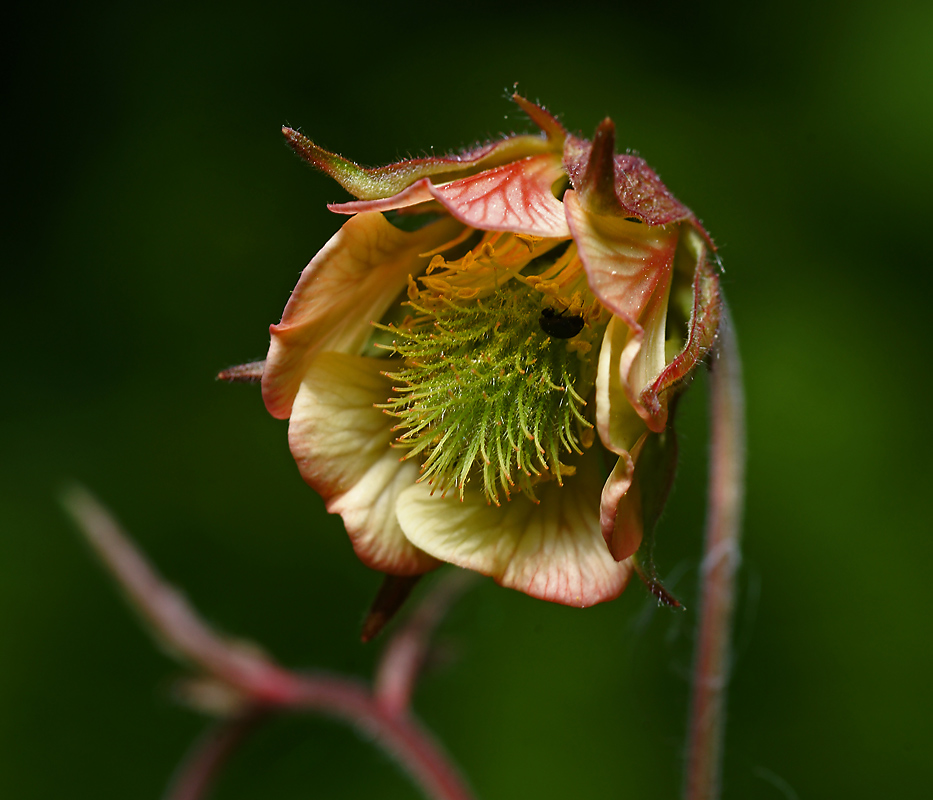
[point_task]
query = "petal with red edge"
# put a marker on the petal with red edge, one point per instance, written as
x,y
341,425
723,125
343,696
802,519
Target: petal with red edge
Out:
x,y
518,197
704,323
349,283
419,192
341,444
620,515
553,551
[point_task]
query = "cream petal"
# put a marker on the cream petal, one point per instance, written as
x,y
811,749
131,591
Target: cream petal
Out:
x,y
620,514
341,444
516,197
646,355
553,551
629,359
349,283
618,423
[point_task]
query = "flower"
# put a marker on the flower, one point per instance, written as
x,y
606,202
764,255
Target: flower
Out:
x,y
487,337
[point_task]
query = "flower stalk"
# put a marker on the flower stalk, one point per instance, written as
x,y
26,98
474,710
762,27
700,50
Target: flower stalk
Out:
x,y
198,772
712,660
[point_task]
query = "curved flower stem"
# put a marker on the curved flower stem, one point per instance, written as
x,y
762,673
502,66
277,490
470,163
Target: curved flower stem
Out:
x,y
398,734
252,679
197,773
350,701
404,656
720,563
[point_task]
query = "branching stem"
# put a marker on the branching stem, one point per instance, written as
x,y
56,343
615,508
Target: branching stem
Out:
x,y
253,680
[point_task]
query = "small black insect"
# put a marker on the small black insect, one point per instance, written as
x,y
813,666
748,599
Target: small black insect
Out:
x,y
556,324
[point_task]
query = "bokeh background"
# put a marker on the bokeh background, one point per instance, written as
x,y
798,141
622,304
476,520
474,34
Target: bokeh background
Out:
x,y
155,226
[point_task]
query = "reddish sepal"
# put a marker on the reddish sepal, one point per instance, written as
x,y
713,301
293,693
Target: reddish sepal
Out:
x,y
243,373
654,477
598,186
381,182
704,323
638,189
391,596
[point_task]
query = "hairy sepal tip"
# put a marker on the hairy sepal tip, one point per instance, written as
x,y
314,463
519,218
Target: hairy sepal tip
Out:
x,y
599,181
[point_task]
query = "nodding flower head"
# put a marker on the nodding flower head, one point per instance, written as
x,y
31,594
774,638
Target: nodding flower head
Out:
x,y
479,367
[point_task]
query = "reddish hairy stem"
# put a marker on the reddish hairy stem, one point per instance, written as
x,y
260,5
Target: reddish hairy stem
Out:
x,y
208,756
261,683
398,734
243,373
721,559
350,701
405,654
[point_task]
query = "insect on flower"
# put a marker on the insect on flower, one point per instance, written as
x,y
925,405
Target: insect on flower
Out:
x,y
558,324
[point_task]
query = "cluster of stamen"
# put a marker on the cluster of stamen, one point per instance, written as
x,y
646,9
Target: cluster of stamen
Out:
x,y
482,390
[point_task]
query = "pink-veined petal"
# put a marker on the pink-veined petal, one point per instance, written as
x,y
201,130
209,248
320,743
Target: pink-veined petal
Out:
x,y
517,197
620,506
553,551
535,207
625,262
341,444
349,283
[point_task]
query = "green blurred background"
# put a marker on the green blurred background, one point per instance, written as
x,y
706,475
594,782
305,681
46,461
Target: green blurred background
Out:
x,y
157,224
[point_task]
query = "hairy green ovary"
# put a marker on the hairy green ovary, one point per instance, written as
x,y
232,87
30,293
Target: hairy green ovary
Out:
x,y
482,390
